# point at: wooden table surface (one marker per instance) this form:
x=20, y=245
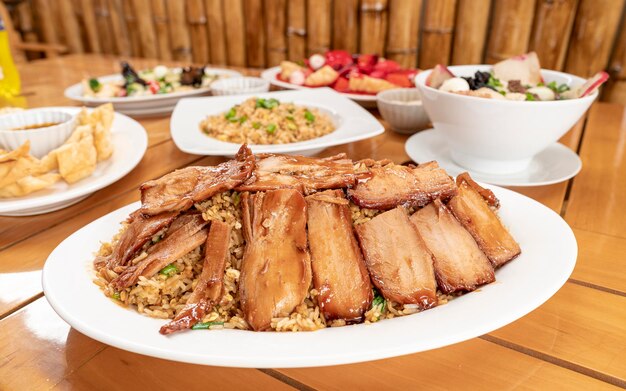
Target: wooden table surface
x=576, y=340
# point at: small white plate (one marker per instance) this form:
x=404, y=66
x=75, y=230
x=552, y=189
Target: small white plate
x=548, y=257
x=353, y=123
x=270, y=74
x=130, y=142
x=142, y=105
x=555, y=164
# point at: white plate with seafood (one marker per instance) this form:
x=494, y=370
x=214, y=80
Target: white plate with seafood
x=129, y=141
x=351, y=122
x=247, y=279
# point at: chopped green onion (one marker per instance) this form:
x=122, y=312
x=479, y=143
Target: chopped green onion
x=95, y=85
x=260, y=103
x=243, y=119
x=562, y=88
x=271, y=128
x=256, y=125
x=266, y=103
x=205, y=325
x=236, y=198
x=290, y=118
x=309, y=116
x=503, y=93
x=169, y=270
x=231, y=113
x=530, y=96
x=493, y=82
x=116, y=296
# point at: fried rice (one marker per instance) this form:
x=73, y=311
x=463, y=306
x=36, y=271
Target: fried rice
x=162, y=296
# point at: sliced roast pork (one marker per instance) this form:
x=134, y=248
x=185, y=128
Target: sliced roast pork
x=276, y=267
x=391, y=185
x=339, y=272
x=210, y=286
x=474, y=213
x=180, y=189
x=459, y=264
x=399, y=263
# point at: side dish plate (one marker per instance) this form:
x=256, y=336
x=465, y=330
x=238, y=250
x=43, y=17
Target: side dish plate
x=548, y=257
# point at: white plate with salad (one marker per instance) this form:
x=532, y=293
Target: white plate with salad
x=150, y=91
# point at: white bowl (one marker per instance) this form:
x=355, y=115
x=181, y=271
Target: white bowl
x=500, y=136
x=239, y=85
x=402, y=108
x=42, y=140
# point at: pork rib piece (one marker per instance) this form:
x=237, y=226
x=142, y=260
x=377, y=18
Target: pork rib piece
x=302, y=173
x=399, y=263
x=276, y=268
x=474, y=213
x=459, y=264
x=175, y=245
x=393, y=185
x=179, y=190
x=339, y=272
x=140, y=229
x=210, y=287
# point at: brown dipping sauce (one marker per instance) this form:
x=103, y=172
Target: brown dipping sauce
x=38, y=126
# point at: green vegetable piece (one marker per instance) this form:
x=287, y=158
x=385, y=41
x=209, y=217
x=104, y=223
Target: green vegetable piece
x=503, y=93
x=243, y=119
x=116, y=296
x=379, y=301
x=205, y=325
x=272, y=103
x=236, y=198
x=309, y=116
x=562, y=88
x=260, y=103
x=493, y=82
x=271, y=128
x=256, y=125
x=169, y=270
x=530, y=96
x=290, y=118
x=231, y=113
x=95, y=85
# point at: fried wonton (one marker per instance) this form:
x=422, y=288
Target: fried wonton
x=101, y=119
x=77, y=160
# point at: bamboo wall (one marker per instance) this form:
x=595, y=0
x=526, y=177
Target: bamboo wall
x=578, y=36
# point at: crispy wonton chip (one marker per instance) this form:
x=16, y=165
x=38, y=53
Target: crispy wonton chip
x=77, y=160
x=29, y=184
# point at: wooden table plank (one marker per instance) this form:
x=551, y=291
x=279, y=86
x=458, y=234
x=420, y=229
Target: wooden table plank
x=580, y=325
x=39, y=350
x=597, y=201
x=471, y=365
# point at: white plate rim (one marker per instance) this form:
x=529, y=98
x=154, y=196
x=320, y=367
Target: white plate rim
x=499, y=180
x=167, y=348
x=351, y=113
x=74, y=91
x=16, y=204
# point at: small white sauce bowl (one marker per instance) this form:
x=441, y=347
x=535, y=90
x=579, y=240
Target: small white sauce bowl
x=42, y=140
x=239, y=85
x=402, y=108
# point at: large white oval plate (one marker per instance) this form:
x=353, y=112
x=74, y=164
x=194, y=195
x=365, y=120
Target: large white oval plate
x=548, y=256
x=271, y=73
x=352, y=122
x=142, y=105
x=130, y=142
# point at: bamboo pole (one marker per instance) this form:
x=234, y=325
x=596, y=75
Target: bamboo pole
x=296, y=30
x=70, y=26
x=595, y=30
x=437, y=30
x=128, y=12
x=45, y=21
x=255, y=32
x=179, y=34
x=147, y=37
x=196, y=17
x=318, y=26
x=402, y=37
x=275, y=15
x=551, y=31
x=235, y=33
x=89, y=23
x=119, y=28
x=373, y=27
x=103, y=26
x=346, y=25
x=511, y=25
x=161, y=29
x=470, y=31
x=615, y=91
x=25, y=21
x=215, y=22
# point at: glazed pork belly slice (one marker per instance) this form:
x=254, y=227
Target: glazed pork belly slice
x=398, y=261
x=302, y=173
x=210, y=286
x=339, y=272
x=276, y=268
x=459, y=263
x=473, y=212
x=140, y=229
x=175, y=245
x=179, y=190
x=388, y=186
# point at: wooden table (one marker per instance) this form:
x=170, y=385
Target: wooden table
x=577, y=340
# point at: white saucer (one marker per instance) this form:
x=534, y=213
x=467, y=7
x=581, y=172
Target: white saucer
x=130, y=142
x=555, y=164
